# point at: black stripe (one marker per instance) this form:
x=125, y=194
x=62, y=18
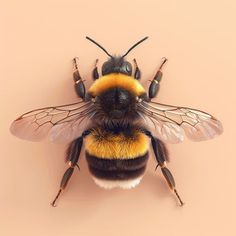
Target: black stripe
x=116, y=175
x=119, y=169
x=116, y=164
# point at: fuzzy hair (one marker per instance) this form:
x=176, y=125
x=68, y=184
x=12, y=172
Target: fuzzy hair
x=106, y=144
x=116, y=80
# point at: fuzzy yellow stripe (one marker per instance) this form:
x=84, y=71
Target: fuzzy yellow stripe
x=117, y=146
x=116, y=80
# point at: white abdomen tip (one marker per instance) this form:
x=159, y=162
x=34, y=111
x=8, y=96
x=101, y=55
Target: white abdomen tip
x=124, y=184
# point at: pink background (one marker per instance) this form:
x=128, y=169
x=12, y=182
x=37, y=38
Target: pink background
x=40, y=38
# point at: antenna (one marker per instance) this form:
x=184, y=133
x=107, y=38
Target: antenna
x=99, y=46
x=136, y=44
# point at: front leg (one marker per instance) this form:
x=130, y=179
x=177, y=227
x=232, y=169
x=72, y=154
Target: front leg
x=79, y=84
x=137, y=72
x=95, y=73
x=155, y=83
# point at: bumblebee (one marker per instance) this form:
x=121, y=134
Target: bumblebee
x=116, y=120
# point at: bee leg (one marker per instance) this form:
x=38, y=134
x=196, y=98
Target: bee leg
x=79, y=84
x=95, y=73
x=161, y=155
x=155, y=83
x=72, y=156
x=63, y=184
x=137, y=72
x=171, y=182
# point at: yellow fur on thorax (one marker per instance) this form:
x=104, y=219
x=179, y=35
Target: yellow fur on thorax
x=116, y=80
x=107, y=145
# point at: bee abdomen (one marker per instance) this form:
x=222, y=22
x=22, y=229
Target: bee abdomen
x=117, y=172
x=117, y=159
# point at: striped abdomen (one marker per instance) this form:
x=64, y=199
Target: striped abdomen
x=117, y=160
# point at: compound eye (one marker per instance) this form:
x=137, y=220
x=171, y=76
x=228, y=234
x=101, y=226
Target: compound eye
x=127, y=68
x=106, y=68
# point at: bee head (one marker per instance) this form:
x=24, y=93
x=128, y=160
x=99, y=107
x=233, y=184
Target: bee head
x=117, y=65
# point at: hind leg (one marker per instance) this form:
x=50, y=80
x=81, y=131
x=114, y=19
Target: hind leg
x=161, y=155
x=72, y=156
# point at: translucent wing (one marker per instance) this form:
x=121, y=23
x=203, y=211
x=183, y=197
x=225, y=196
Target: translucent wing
x=171, y=122
x=62, y=123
